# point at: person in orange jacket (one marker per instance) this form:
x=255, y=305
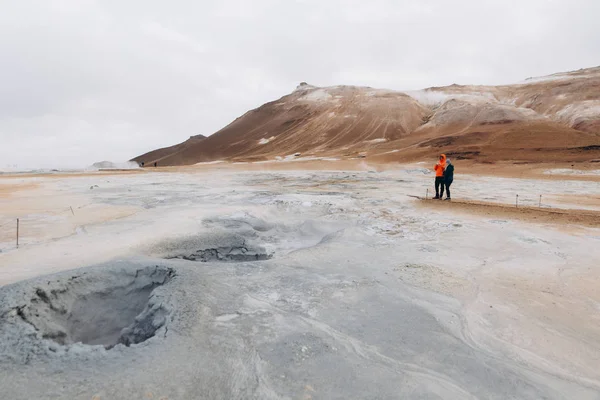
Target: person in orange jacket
x=439, y=176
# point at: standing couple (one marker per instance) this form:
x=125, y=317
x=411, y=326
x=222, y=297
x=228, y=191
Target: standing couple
x=444, y=175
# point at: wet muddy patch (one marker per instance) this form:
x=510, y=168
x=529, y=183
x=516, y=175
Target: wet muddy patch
x=231, y=254
x=220, y=247
x=244, y=238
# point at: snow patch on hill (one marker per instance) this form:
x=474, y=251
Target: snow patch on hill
x=317, y=95
x=378, y=140
x=210, y=162
x=580, y=111
x=435, y=98
x=266, y=140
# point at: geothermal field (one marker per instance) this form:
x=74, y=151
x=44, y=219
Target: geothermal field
x=226, y=281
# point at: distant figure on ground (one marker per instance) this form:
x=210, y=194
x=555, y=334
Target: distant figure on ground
x=439, y=176
x=155, y=164
x=448, y=178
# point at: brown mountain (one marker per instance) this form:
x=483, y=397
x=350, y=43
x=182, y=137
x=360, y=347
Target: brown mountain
x=159, y=155
x=554, y=118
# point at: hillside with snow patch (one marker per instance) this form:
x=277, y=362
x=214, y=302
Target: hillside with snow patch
x=555, y=117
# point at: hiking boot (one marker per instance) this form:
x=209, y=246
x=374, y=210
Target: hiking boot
x=447, y=198
x=436, y=198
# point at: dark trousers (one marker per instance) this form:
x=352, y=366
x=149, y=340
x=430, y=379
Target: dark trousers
x=447, y=183
x=439, y=183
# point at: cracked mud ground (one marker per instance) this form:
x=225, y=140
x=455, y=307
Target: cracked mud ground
x=361, y=294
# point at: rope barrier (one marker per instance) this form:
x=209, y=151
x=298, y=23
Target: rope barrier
x=69, y=211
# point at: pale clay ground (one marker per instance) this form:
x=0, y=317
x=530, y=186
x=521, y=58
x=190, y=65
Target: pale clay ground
x=523, y=294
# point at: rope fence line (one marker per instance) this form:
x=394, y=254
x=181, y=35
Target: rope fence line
x=9, y=222
x=19, y=225
x=517, y=203
x=70, y=211
x=17, y=222
x=49, y=211
x=529, y=201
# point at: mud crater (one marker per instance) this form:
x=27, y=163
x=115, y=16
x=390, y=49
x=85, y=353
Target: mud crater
x=97, y=311
x=244, y=238
x=217, y=248
x=231, y=254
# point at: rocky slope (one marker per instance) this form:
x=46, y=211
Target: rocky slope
x=554, y=118
x=159, y=155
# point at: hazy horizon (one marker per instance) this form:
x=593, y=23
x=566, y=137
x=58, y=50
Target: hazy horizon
x=84, y=81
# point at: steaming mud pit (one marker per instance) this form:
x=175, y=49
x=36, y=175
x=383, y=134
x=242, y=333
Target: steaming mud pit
x=94, y=308
x=295, y=284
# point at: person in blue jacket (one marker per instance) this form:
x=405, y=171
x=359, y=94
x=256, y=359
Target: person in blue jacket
x=448, y=178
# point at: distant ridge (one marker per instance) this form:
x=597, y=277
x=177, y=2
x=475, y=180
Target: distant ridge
x=540, y=119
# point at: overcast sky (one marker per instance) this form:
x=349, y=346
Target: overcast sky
x=84, y=81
